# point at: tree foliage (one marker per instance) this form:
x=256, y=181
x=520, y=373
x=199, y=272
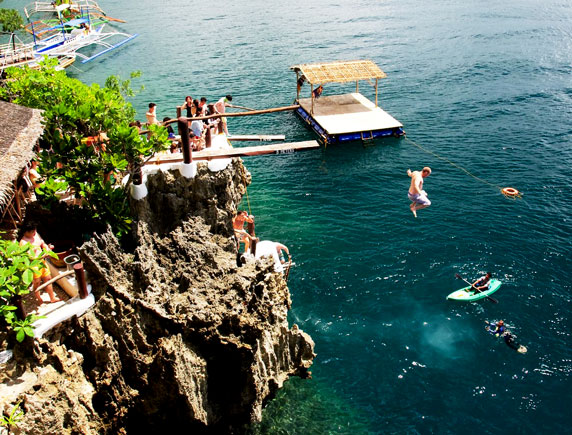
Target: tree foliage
x=88, y=145
x=18, y=263
x=10, y=20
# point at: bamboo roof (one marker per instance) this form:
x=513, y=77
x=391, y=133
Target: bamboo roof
x=21, y=128
x=339, y=71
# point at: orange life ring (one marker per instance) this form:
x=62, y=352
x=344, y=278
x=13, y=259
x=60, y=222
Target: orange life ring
x=509, y=191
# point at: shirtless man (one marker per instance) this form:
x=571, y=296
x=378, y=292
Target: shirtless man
x=239, y=231
x=30, y=235
x=416, y=194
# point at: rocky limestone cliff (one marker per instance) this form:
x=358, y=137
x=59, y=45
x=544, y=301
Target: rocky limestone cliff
x=180, y=336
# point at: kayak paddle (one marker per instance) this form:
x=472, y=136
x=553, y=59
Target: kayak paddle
x=476, y=289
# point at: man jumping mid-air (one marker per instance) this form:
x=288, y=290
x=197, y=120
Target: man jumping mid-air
x=416, y=194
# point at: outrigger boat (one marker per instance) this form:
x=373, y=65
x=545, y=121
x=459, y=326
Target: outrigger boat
x=68, y=41
x=43, y=15
x=60, y=33
x=347, y=117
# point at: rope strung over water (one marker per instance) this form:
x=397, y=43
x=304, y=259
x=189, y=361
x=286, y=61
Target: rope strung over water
x=507, y=192
x=248, y=201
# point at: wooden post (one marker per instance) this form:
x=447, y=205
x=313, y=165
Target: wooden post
x=220, y=127
x=253, y=243
x=183, y=126
x=297, y=86
x=17, y=191
x=208, y=137
x=312, y=94
x=357, y=86
x=376, y=92
x=20, y=311
x=179, y=111
x=250, y=228
x=137, y=175
x=80, y=280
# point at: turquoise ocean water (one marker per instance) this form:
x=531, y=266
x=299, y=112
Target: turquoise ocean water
x=487, y=85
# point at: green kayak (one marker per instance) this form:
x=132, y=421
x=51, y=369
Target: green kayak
x=468, y=294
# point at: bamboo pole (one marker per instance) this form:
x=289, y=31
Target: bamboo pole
x=357, y=86
x=376, y=92
x=232, y=115
x=54, y=279
x=234, y=106
x=297, y=86
x=226, y=153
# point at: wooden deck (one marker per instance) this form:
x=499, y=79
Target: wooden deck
x=348, y=113
x=257, y=137
x=225, y=153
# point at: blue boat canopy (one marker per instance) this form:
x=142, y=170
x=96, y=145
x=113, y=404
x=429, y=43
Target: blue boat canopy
x=76, y=22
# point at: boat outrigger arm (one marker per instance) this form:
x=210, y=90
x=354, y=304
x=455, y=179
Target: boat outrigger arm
x=108, y=47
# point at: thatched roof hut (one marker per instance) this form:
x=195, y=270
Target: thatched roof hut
x=20, y=128
x=339, y=71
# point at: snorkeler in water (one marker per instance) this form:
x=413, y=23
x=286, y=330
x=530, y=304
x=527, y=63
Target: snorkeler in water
x=499, y=330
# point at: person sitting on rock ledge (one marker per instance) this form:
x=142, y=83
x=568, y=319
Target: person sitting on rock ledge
x=41, y=274
x=240, y=233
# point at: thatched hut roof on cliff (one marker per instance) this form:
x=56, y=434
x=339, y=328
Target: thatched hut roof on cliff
x=20, y=128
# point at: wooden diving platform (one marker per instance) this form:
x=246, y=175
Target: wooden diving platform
x=349, y=113
x=225, y=153
x=257, y=137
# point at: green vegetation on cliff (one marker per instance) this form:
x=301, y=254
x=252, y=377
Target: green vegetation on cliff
x=86, y=150
x=87, y=144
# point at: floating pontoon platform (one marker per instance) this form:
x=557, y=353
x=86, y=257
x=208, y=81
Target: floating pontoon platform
x=346, y=117
x=340, y=118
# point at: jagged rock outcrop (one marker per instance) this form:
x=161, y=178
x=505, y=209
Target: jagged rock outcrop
x=180, y=336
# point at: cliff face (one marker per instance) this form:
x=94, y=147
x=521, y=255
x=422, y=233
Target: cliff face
x=179, y=336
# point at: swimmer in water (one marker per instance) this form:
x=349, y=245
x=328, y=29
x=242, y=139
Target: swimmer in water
x=499, y=330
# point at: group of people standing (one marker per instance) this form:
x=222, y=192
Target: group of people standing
x=194, y=108
x=199, y=109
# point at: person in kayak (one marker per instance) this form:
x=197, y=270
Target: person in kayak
x=482, y=283
x=497, y=329
x=416, y=194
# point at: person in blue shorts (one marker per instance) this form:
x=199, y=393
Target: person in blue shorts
x=416, y=194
